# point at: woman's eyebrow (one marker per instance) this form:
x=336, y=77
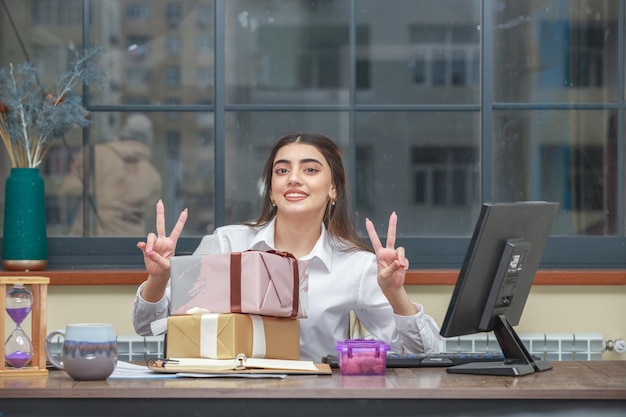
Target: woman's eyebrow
x=307, y=160
x=302, y=161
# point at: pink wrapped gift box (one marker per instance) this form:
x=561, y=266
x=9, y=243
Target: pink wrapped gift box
x=252, y=282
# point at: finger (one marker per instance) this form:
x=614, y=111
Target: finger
x=180, y=224
x=391, y=230
x=142, y=248
x=371, y=231
x=162, y=262
x=391, y=269
x=150, y=241
x=402, y=257
x=160, y=218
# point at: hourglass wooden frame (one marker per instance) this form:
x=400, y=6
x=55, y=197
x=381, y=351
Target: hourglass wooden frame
x=39, y=288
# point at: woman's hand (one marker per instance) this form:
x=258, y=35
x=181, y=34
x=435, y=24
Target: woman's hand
x=157, y=249
x=392, y=264
x=392, y=267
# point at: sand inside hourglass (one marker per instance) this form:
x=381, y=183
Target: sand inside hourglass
x=18, y=347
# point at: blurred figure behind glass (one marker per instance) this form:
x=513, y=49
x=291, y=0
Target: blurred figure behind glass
x=126, y=183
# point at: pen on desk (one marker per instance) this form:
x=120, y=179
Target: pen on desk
x=161, y=362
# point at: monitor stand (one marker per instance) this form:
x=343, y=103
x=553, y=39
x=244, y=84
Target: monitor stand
x=517, y=360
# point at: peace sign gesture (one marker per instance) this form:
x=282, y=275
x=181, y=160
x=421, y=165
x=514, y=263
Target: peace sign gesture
x=158, y=248
x=392, y=264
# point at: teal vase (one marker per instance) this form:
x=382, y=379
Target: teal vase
x=24, y=240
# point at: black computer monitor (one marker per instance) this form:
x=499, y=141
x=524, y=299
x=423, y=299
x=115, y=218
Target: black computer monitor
x=495, y=279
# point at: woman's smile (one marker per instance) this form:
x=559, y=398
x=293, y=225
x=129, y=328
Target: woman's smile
x=295, y=195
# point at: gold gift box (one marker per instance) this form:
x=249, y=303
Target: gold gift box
x=230, y=335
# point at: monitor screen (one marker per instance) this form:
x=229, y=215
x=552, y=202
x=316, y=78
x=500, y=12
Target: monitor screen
x=495, y=279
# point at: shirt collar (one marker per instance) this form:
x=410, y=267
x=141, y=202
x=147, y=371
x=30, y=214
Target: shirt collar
x=264, y=240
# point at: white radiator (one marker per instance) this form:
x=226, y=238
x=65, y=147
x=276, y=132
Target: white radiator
x=139, y=348
x=550, y=346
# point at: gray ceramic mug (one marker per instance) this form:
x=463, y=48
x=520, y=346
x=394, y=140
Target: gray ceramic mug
x=89, y=350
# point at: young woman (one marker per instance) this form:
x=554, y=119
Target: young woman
x=306, y=213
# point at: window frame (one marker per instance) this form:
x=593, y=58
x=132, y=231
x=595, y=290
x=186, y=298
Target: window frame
x=562, y=252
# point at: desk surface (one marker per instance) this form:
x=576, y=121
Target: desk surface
x=570, y=384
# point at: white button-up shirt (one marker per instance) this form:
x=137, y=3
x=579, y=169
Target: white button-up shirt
x=340, y=281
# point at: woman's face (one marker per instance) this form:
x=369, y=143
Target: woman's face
x=301, y=181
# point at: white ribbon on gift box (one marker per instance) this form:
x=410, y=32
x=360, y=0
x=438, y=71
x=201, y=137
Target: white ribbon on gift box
x=258, y=336
x=159, y=326
x=209, y=330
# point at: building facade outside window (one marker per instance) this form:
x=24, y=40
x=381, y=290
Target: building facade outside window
x=438, y=106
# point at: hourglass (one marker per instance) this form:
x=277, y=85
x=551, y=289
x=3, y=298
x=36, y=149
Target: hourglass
x=18, y=349
x=23, y=354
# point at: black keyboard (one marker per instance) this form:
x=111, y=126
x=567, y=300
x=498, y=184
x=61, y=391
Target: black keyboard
x=429, y=359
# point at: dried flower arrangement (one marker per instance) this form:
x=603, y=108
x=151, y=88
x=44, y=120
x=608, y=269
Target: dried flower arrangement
x=31, y=118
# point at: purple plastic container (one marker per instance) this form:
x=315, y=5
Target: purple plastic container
x=362, y=356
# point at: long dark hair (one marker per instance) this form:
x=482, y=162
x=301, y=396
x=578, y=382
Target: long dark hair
x=337, y=216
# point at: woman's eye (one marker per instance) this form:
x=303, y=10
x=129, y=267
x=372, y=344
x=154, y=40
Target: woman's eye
x=281, y=171
x=311, y=170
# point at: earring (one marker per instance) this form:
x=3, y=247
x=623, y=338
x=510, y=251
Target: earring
x=273, y=203
x=333, y=202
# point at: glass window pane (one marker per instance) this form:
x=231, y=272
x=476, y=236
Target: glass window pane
x=553, y=135
x=417, y=53
x=54, y=32
x=250, y=137
x=287, y=52
x=564, y=156
x=153, y=56
x=555, y=51
x=61, y=211
x=134, y=159
x=423, y=165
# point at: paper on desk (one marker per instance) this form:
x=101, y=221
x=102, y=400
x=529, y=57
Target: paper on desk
x=228, y=375
x=125, y=370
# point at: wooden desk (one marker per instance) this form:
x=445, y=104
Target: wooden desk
x=570, y=389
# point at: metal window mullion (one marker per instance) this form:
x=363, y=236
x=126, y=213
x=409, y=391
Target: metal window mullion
x=621, y=80
x=219, y=16
x=486, y=102
x=88, y=168
x=352, y=103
